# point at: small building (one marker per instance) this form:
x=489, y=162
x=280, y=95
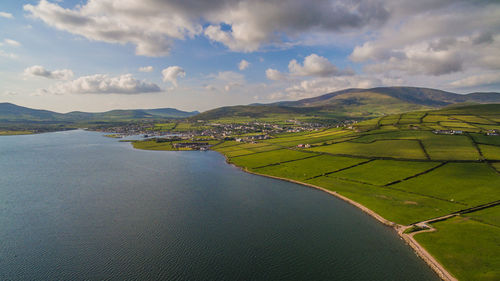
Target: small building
x=492, y=133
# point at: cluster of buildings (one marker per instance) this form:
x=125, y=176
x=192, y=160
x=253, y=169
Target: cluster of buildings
x=192, y=145
x=218, y=130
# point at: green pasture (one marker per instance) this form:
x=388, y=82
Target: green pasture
x=381, y=172
x=490, y=152
x=468, y=184
x=153, y=145
x=310, y=167
x=267, y=158
x=484, y=139
x=394, y=205
x=404, y=149
x=467, y=247
x=10, y=133
x=472, y=119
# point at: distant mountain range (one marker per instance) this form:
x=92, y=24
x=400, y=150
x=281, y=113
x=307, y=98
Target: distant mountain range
x=350, y=103
x=13, y=113
x=355, y=103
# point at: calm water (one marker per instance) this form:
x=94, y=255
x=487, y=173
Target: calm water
x=75, y=205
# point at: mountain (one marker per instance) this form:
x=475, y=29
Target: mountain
x=13, y=113
x=355, y=103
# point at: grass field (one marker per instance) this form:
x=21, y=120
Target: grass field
x=310, y=167
x=11, y=133
x=406, y=149
x=267, y=158
x=466, y=246
x=381, y=172
x=482, y=138
x=469, y=184
x=490, y=152
x=153, y=145
x=397, y=206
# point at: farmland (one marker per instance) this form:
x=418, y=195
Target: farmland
x=439, y=167
x=408, y=168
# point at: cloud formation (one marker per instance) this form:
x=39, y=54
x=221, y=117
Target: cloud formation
x=275, y=75
x=104, y=84
x=146, y=69
x=153, y=25
x=434, y=38
x=7, y=55
x=38, y=70
x=172, y=73
x=477, y=80
x=243, y=65
x=313, y=65
x=11, y=42
x=6, y=15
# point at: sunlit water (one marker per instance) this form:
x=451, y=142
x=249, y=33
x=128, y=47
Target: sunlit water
x=76, y=205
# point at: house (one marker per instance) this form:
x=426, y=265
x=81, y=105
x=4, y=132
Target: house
x=492, y=133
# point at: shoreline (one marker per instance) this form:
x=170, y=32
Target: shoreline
x=437, y=267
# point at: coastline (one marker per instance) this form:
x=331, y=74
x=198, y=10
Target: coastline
x=437, y=267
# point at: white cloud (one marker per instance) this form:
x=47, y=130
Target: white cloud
x=230, y=86
x=322, y=85
x=38, y=70
x=171, y=74
x=7, y=55
x=313, y=65
x=104, y=84
x=210, y=87
x=243, y=65
x=6, y=15
x=477, y=80
x=227, y=80
x=146, y=69
x=11, y=42
x=275, y=75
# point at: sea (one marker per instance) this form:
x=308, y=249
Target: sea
x=76, y=205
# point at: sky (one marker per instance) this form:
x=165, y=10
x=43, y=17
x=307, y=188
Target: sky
x=98, y=55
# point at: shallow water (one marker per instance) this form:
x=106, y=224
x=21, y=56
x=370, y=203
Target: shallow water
x=75, y=205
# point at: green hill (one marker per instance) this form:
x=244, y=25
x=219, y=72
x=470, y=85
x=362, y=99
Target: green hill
x=13, y=113
x=354, y=103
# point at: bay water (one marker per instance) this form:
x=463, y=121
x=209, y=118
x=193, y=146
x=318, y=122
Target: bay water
x=79, y=206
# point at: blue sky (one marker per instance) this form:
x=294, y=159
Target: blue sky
x=86, y=55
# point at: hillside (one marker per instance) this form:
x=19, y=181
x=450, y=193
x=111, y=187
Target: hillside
x=13, y=113
x=355, y=103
